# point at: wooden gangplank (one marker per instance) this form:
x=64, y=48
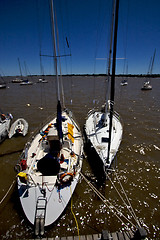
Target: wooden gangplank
x=106, y=236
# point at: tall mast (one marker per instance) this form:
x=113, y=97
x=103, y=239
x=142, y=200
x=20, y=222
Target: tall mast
x=54, y=48
x=20, y=67
x=113, y=75
x=59, y=111
x=109, y=59
x=153, y=61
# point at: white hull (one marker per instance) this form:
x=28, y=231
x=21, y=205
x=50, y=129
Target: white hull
x=19, y=127
x=17, y=80
x=98, y=135
x=26, y=83
x=57, y=193
x=124, y=83
x=4, y=128
x=146, y=86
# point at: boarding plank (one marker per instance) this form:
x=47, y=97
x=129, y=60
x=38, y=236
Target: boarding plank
x=120, y=236
x=89, y=237
x=114, y=236
x=82, y=237
x=76, y=237
x=95, y=236
x=63, y=238
x=70, y=238
x=126, y=236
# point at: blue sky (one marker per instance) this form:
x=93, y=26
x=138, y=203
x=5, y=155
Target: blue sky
x=25, y=29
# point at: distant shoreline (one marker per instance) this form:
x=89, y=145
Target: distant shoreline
x=118, y=75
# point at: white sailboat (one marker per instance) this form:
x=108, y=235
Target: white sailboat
x=103, y=128
x=18, y=80
x=124, y=82
x=147, y=85
x=2, y=83
x=50, y=165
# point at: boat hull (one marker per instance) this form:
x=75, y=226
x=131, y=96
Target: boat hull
x=4, y=128
x=97, y=136
x=50, y=187
x=56, y=201
x=19, y=127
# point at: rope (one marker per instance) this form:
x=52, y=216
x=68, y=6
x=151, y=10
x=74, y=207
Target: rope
x=109, y=205
x=133, y=212
x=7, y=192
x=74, y=214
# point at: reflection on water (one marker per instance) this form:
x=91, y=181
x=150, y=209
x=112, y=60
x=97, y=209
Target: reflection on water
x=137, y=160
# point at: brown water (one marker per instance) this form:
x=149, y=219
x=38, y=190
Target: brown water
x=138, y=159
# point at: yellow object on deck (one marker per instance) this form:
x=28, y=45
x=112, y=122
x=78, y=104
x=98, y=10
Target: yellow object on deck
x=70, y=132
x=22, y=174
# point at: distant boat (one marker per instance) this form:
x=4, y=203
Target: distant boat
x=103, y=128
x=17, y=80
x=19, y=127
x=42, y=80
x=26, y=82
x=147, y=85
x=4, y=125
x=2, y=83
x=124, y=82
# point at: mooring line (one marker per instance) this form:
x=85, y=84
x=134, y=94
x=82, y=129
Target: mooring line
x=128, y=207
x=132, y=210
x=110, y=206
x=7, y=192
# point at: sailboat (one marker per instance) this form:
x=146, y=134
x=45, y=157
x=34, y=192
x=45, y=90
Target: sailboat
x=124, y=82
x=147, y=85
x=103, y=129
x=18, y=80
x=42, y=79
x=26, y=81
x=50, y=165
x=2, y=83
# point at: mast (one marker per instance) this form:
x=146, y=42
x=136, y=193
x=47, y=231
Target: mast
x=153, y=61
x=54, y=48
x=20, y=68
x=113, y=74
x=109, y=60
x=59, y=111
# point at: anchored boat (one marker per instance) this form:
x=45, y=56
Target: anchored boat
x=147, y=85
x=103, y=128
x=50, y=165
x=5, y=121
x=19, y=127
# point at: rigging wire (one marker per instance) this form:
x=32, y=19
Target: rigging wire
x=94, y=86
x=108, y=204
x=132, y=210
x=7, y=192
x=125, y=40
x=65, y=38
x=42, y=88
